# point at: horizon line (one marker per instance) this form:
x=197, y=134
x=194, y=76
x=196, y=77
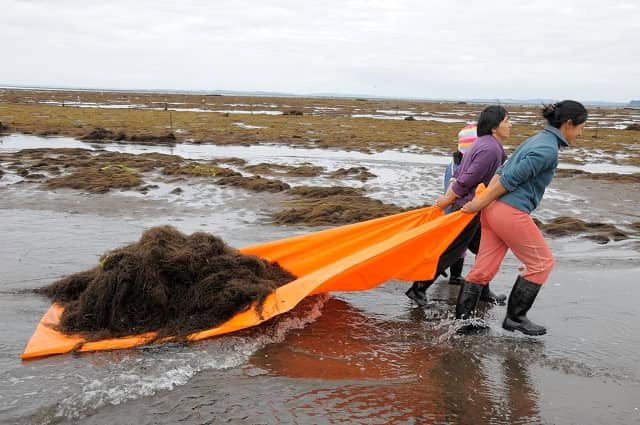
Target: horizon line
x=265, y=93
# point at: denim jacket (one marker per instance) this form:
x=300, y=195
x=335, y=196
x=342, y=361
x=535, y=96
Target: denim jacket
x=530, y=169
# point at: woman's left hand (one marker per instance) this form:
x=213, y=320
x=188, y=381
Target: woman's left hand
x=442, y=202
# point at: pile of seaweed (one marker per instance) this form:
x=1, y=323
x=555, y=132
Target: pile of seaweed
x=167, y=282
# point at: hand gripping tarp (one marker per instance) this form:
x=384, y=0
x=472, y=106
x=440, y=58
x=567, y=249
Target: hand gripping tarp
x=354, y=257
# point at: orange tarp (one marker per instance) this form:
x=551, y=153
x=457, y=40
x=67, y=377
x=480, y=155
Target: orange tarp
x=354, y=257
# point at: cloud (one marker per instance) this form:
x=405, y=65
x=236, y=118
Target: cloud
x=448, y=49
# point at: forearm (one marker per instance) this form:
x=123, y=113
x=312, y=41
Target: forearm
x=493, y=192
x=450, y=195
x=447, y=199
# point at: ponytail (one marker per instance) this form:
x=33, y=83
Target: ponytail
x=558, y=113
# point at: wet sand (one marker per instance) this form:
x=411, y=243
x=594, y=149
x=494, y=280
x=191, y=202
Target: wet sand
x=363, y=357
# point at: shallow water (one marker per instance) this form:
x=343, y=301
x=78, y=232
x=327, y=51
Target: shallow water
x=364, y=357
x=404, y=178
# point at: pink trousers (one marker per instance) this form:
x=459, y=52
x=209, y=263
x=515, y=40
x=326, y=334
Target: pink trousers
x=505, y=227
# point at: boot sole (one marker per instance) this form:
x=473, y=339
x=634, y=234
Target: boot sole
x=518, y=328
x=420, y=301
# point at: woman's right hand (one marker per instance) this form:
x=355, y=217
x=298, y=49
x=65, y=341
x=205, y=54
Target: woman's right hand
x=473, y=206
x=493, y=191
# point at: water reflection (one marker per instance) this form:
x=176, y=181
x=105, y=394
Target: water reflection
x=369, y=370
x=346, y=344
x=522, y=407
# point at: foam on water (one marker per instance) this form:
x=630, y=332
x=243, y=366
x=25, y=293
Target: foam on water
x=154, y=369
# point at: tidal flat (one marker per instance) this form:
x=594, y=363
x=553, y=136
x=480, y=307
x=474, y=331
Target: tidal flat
x=82, y=173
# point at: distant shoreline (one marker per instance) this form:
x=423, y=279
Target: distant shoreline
x=630, y=104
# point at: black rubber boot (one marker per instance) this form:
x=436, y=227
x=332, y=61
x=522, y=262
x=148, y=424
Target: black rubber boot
x=489, y=296
x=468, y=298
x=456, y=272
x=521, y=299
x=418, y=292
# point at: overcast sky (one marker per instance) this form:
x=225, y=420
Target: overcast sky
x=555, y=49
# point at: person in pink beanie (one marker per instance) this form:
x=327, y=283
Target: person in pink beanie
x=466, y=137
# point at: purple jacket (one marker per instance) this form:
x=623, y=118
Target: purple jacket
x=478, y=165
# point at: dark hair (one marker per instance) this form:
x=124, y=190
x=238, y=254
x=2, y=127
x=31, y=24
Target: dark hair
x=561, y=112
x=490, y=118
x=457, y=157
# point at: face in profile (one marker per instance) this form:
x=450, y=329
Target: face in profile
x=503, y=130
x=571, y=132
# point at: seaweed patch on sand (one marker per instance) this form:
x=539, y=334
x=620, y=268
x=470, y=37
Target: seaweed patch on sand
x=254, y=183
x=98, y=179
x=100, y=134
x=100, y=171
x=357, y=173
x=619, y=178
x=323, y=206
x=167, y=282
x=566, y=226
x=304, y=170
x=198, y=170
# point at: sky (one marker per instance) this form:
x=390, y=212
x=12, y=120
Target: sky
x=509, y=49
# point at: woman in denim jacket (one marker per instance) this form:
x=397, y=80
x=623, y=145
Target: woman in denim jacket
x=512, y=194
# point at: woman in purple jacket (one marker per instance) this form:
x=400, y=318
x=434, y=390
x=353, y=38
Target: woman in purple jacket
x=478, y=165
